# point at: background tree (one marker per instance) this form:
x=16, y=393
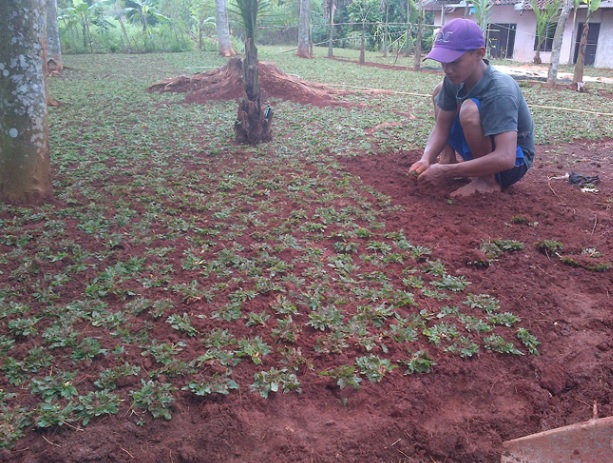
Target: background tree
x=329, y=9
x=482, y=10
x=24, y=130
x=253, y=125
x=304, y=30
x=54, y=47
x=556, y=47
x=573, y=37
x=385, y=8
x=223, y=29
x=117, y=9
x=420, y=13
x=367, y=16
x=147, y=14
x=592, y=6
x=545, y=16
x=482, y=14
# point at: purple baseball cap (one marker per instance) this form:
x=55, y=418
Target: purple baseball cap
x=456, y=38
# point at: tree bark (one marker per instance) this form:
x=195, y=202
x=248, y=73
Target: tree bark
x=420, y=17
x=556, y=47
x=252, y=125
x=331, y=29
x=363, y=44
x=386, y=31
x=579, y=66
x=573, y=38
x=304, y=42
x=223, y=29
x=24, y=130
x=54, y=47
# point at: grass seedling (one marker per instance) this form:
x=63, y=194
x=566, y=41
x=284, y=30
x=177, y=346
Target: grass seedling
x=345, y=376
x=419, y=362
x=216, y=384
x=57, y=386
x=275, y=380
x=97, y=403
x=528, y=340
x=154, y=397
x=253, y=348
x=374, y=367
x=182, y=323
x=549, y=247
x=498, y=344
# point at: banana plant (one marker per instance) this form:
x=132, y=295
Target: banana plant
x=592, y=6
x=544, y=17
x=84, y=15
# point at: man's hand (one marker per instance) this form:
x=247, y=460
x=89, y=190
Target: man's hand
x=434, y=175
x=419, y=167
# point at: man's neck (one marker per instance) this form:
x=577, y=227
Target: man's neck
x=475, y=76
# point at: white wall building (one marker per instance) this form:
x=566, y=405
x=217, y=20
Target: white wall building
x=512, y=31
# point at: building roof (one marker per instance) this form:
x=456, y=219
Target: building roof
x=435, y=5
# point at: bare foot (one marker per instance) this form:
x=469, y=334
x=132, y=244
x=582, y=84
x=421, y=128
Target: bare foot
x=477, y=185
x=447, y=156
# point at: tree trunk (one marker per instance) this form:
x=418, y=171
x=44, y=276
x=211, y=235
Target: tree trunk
x=24, y=130
x=252, y=125
x=54, y=47
x=417, y=62
x=223, y=29
x=386, y=31
x=573, y=38
x=124, y=32
x=363, y=44
x=331, y=30
x=304, y=46
x=579, y=66
x=556, y=47
x=407, y=43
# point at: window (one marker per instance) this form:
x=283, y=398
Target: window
x=547, y=40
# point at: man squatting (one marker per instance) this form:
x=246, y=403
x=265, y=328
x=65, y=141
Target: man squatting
x=481, y=114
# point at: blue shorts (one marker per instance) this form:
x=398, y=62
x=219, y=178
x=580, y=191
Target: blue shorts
x=458, y=143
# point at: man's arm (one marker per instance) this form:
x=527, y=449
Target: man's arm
x=436, y=140
x=499, y=160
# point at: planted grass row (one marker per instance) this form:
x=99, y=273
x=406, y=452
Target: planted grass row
x=321, y=270
x=268, y=259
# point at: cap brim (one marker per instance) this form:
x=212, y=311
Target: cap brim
x=444, y=55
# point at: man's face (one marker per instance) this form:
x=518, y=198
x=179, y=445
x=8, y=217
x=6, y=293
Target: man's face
x=462, y=69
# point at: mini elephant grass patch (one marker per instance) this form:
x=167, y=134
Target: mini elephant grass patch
x=170, y=268
x=589, y=259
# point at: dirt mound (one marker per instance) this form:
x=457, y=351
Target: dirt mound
x=226, y=83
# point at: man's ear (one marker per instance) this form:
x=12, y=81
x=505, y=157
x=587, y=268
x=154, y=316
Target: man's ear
x=480, y=52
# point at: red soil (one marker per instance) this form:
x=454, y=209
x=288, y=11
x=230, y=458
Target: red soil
x=464, y=409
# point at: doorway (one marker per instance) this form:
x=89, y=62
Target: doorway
x=501, y=40
x=592, y=42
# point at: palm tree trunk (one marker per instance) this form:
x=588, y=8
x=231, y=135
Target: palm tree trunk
x=252, y=126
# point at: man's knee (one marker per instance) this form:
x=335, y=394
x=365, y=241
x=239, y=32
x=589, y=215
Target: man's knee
x=470, y=117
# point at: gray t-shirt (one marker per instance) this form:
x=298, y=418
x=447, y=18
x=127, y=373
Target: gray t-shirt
x=503, y=107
